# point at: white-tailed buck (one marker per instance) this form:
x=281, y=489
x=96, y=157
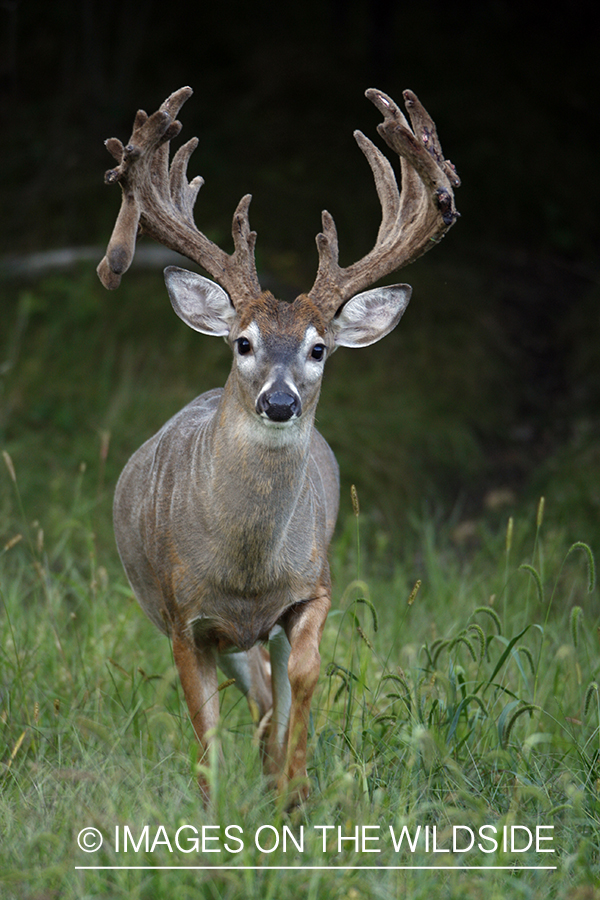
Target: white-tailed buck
x=223, y=519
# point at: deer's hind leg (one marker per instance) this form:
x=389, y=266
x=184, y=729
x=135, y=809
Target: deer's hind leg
x=252, y=673
x=274, y=729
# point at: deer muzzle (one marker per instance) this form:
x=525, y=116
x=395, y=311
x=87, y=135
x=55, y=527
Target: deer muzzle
x=279, y=406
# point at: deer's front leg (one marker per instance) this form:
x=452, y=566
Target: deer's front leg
x=198, y=674
x=304, y=630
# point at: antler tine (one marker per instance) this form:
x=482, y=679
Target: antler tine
x=412, y=221
x=159, y=201
x=184, y=193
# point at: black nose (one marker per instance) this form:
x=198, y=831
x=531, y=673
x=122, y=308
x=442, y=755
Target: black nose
x=278, y=406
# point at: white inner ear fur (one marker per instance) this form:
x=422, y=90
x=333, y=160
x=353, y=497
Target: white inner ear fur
x=201, y=303
x=369, y=316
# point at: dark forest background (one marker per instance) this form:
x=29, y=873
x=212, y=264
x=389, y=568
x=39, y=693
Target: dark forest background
x=488, y=394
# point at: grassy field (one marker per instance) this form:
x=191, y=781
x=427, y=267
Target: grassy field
x=460, y=665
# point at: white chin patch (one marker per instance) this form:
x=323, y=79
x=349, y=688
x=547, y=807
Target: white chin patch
x=271, y=424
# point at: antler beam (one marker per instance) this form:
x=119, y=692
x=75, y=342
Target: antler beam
x=159, y=201
x=412, y=221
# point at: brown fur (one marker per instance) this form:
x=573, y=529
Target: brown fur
x=285, y=319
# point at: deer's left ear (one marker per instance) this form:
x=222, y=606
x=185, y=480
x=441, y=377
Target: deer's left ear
x=369, y=316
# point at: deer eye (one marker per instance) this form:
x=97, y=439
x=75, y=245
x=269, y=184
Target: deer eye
x=244, y=346
x=318, y=351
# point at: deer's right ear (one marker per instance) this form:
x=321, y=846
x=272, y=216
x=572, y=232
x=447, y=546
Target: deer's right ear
x=201, y=303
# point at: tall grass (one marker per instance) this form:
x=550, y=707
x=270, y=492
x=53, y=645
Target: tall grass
x=454, y=692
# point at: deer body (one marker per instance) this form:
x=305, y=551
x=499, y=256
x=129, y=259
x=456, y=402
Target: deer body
x=223, y=519
x=229, y=550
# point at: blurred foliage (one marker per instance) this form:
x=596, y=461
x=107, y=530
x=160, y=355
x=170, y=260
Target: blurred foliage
x=470, y=699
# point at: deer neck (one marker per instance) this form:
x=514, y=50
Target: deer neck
x=258, y=472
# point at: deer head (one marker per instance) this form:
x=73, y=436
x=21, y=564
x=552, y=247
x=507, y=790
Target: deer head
x=337, y=310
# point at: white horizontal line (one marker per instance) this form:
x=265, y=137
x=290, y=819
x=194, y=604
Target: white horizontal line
x=341, y=868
